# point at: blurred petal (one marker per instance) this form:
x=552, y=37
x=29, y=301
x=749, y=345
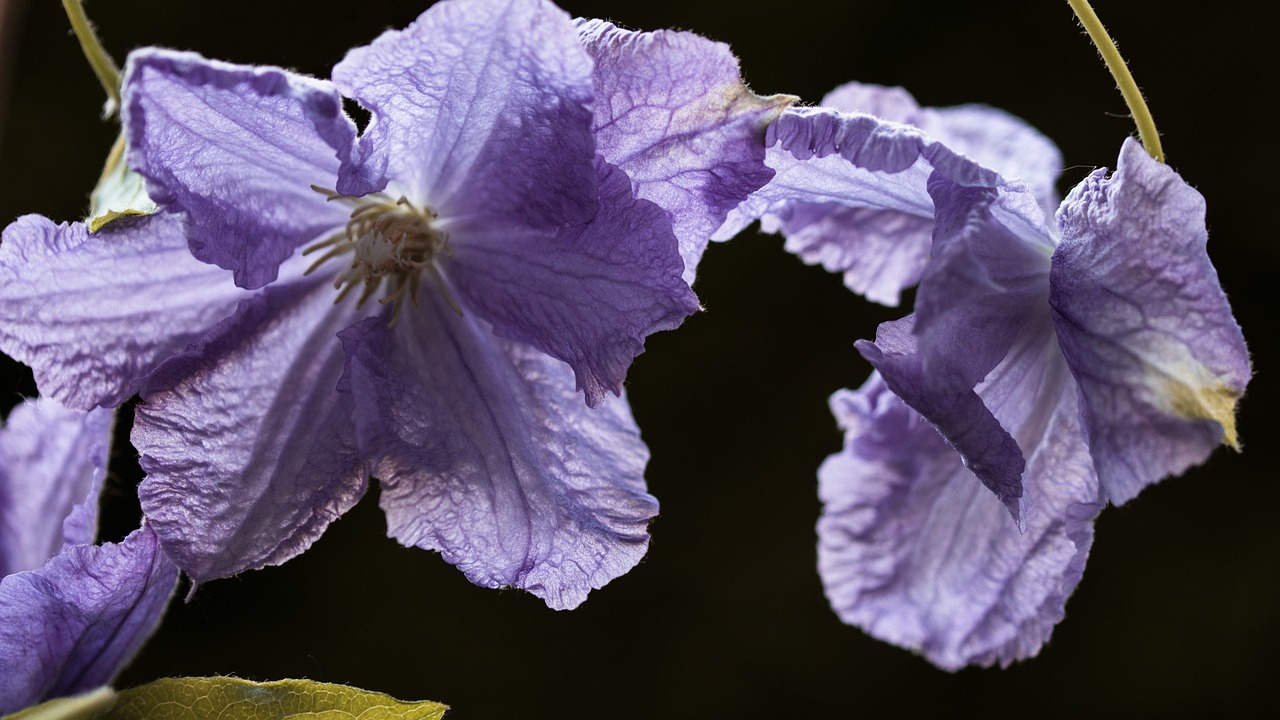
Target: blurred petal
x=672, y=112
x=1144, y=324
x=52, y=465
x=93, y=315
x=479, y=108
x=828, y=161
x=72, y=625
x=238, y=148
x=894, y=104
x=487, y=455
x=914, y=551
x=249, y=450
x=588, y=295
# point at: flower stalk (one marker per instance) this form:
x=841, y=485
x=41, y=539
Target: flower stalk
x=103, y=66
x=1124, y=80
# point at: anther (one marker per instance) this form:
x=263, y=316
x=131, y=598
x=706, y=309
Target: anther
x=395, y=240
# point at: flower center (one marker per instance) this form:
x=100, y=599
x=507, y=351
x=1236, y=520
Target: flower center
x=386, y=239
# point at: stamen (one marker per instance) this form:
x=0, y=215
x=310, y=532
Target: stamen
x=395, y=240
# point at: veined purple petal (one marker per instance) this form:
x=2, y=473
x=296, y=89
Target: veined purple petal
x=916, y=552
x=487, y=455
x=249, y=451
x=588, y=295
x=479, y=108
x=987, y=448
x=237, y=148
x=52, y=465
x=880, y=252
x=828, y=162
x=72, y=625
x=991, y=137
x=93, y=315
x=1144, y=324
x=985, y=289
x=987, y=277
x=673, y=113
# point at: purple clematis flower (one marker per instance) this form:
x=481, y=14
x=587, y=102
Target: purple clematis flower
x=72, y=614
x=496, y=208
x=1062, y=365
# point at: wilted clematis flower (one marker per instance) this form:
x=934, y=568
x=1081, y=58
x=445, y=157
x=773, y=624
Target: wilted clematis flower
x=1062, y=373
x=850, y=190
x=72, y=614
x=512, y=260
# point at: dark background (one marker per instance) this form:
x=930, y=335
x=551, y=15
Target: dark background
x=725, y=617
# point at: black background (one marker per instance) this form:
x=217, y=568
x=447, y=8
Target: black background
x=725, y=617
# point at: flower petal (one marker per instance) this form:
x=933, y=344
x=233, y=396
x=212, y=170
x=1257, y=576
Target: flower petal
x=673, y=113
x=880, y=252
x=914, y=551
x=237, y=148
x=72, y=625
x=984, y=290
x=958, y=413
x=479, y=108
x=249, y=450
x=588, y=295
x=53, y=462
x=989, y=136
x=93, y=315
x=831, y=161
x=1144, y=324
x=487, y=455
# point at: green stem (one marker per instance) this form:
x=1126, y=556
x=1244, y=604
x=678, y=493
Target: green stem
x=1124, y=80
x=103, y=66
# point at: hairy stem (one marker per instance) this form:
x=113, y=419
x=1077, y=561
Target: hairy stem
x=103, y=66
x=1128, y=88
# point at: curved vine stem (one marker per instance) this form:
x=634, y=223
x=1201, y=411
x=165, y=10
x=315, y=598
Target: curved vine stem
x=1124, y=80
x=103, y=66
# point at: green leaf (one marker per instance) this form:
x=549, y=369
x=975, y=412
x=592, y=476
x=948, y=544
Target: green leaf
x=120, y=192
x=229, y=698
x=81, y=707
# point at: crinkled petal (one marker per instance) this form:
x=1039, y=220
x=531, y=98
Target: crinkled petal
x=989, y=136
x=914, y=551
x=72, y=625
x=236, y=147
x=588, y=295
x=487, y=455
x=673, y=112
x=879, y=252
x=986, y=286
x=53, y=462
x=1144, y=324
x=830, y=160
x=93, y=315
x=479, y=108
x=248, y=448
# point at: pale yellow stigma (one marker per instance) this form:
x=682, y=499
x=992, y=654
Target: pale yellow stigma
x=387, y=239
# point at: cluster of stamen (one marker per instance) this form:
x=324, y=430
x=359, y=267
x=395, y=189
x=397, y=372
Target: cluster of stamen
x=388, y=239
